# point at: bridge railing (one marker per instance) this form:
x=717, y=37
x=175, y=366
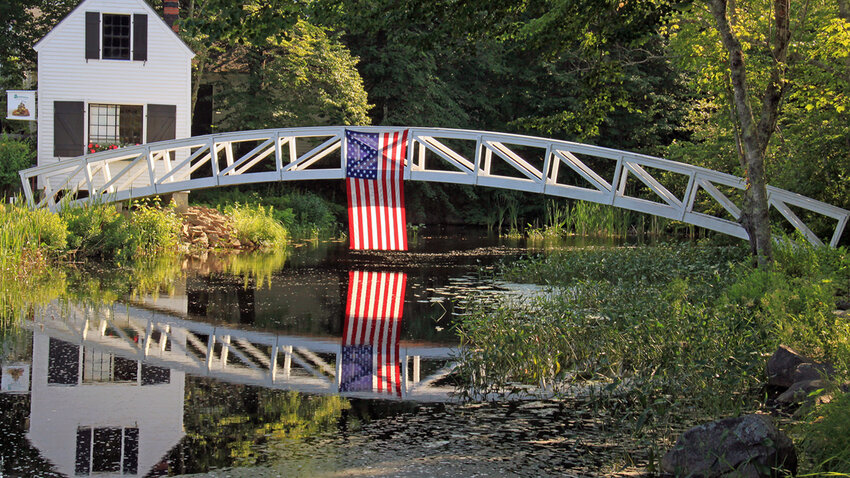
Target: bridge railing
x=678, y=191
x=307, y=364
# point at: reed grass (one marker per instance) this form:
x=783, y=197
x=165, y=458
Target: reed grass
x=28, y=238
x=582, y=218
x=256, y=224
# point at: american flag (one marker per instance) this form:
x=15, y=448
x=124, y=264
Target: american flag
x=374, y=170
x=370, y=334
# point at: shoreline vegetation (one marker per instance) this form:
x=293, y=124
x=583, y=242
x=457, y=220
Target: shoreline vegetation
x=668, y=336
x=665, y=336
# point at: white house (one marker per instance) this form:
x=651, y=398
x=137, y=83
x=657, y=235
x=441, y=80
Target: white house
x=93, y=412
x=111, y=72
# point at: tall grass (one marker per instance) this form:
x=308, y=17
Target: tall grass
x=27, y=237
x=582, y=218
x=823, y=437
x=667, y=335
x=304, y=215
x=256, y=224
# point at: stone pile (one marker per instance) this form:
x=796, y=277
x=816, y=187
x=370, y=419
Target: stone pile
x=799, y=376
x=205, y=228
x=751, y=445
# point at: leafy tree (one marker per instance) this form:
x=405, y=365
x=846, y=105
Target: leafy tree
x=272, y=67
x=14, y=156
x=304, y=78
x=795, y=89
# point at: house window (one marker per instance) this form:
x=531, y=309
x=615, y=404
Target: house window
x=115, y=124
x=113, y=36
x=104, y=367
x=116, y=37
x=107, y=450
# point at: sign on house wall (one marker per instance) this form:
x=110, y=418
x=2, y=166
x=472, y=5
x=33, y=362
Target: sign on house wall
x=15, y=379
x=20, y=105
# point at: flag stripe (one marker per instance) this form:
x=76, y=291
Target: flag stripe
x=375, y=189
x=374, y=309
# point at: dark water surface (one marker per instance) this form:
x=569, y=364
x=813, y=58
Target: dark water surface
x=317, y=362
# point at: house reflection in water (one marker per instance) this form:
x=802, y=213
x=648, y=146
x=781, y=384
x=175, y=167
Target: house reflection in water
x=93, y=412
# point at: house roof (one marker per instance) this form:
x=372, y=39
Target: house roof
x=46, y=38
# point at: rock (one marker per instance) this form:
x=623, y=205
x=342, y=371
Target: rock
x=201, y=241
x=782, y=364
x=812, y=371
x=799, y=392
x=749, y=446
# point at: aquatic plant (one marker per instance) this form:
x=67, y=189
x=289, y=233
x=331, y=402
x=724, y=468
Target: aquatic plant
x=664, y=335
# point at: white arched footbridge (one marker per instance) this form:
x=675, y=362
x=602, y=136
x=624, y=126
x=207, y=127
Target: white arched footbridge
x=678, y=191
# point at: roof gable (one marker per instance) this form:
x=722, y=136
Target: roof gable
x=161, y=25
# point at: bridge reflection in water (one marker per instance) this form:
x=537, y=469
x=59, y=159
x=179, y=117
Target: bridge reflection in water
x=108, y=382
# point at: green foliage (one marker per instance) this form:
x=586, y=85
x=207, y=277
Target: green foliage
x=296, y=75
x=666, y=335
x=256, y=224
x=97, y=230
x=304, y=214
x=808, y=153
x=153, y=228
x=24, y=22
x=15, y=155
x=825, y=443
x=100, y=231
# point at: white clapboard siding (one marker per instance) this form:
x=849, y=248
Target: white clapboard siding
x=64, y=74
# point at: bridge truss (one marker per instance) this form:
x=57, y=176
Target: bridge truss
x=677, y=191
x=306, y=364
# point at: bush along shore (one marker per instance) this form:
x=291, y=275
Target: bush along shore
x=659, y=339
x=31, y=239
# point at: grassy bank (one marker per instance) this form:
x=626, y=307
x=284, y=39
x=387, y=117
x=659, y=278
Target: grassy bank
x=304, y=214
x=670, y=335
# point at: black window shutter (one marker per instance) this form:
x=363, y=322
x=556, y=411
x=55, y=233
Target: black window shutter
x=68, y=133
x=140, y=37
x=63, y=362
x=82, y=462
x=92, y=35
x=162, y=122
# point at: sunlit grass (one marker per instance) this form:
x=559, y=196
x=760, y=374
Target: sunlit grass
x=667, y=336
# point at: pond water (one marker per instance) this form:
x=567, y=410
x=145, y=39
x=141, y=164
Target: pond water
x=320, y=361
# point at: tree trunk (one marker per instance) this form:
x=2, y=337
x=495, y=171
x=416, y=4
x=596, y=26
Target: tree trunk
x=755, y=136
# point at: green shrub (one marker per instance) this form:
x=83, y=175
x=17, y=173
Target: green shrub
x=256, y=224
x=15, y=155
x=27, y=236
x=97, y=230
x=153, y=228
x=100, y=231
